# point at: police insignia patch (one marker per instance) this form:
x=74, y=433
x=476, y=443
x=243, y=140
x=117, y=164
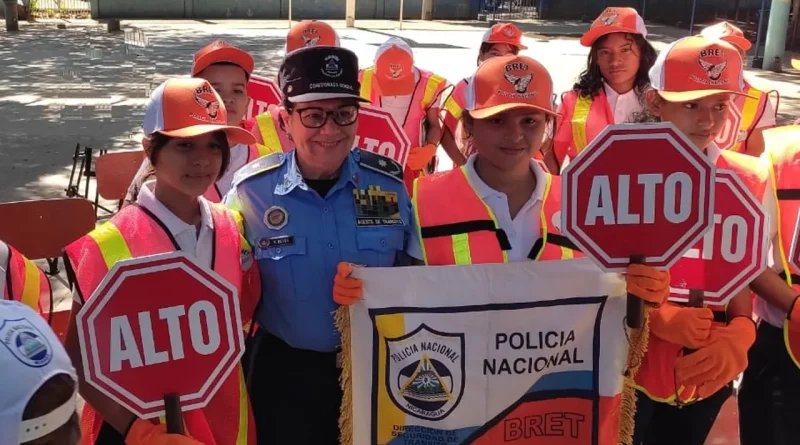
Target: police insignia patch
x=276, y=218
x=381, y=164
x=375, y=207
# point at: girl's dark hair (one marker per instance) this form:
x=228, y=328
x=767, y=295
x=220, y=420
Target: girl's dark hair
x=246, y=74
x=591, y=80
x=486, y=47
x=468, y=121
x=53, y=393
x=158, y=141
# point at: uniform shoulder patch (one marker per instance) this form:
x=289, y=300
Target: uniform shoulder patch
x=260, y=165
x=381, y=164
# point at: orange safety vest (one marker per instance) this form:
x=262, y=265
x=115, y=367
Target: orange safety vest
x=26, y=283
x=429, y=87
x=656, y=376
x=785, y=176
x=582, y=119
x=454, y=106
x=465, y=231
x=254, y=152
x=135, y=232
x=751, y=110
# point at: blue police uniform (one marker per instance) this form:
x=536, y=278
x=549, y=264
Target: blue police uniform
x=298, y=237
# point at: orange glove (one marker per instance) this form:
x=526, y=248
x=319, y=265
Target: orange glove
x=714, y=366
x=419, y=157
x=142, y=432
x=685, y=326
x=346, y=290
x=648, y=283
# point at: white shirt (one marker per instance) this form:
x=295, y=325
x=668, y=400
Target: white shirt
x=623, y=106
x=398, y=106
x=239, y=154
x=522, y=231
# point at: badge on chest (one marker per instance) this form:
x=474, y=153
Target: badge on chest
x=275, y=218
x=375, y=207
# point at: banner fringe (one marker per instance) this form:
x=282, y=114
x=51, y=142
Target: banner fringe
x=342, y=320
x=637, y=347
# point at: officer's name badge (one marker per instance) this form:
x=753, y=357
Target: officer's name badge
x=266, y=243
x=375, y=207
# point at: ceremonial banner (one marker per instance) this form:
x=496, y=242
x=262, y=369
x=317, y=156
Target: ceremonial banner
x=522, y=353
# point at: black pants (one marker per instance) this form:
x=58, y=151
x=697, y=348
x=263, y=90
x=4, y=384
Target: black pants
x=769, y=400
x=295, y=393
x=663, y=424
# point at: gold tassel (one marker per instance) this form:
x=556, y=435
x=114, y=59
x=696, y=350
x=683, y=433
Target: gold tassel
x=638, y=346
x=342, y=319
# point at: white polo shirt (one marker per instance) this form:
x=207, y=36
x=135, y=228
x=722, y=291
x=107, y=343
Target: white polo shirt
x=622, y=106
x=522, y=231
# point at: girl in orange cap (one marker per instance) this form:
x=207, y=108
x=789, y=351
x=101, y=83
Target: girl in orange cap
x=611, y=89
x=680, y=395
x=510, y=107
x=188, y=143
x=500, y=40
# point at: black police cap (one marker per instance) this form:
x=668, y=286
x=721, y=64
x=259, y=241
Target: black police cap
x=319, y=73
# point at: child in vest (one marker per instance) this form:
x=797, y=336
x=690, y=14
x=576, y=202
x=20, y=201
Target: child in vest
x=610, y=90
x=39, y=385
x=500, y=40
x=681, y=393
x=501, y=183
x=188, y=145
x=23, y=281
x=228, y=69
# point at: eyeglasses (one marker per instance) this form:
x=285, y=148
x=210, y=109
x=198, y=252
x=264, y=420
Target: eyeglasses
x=316, y=117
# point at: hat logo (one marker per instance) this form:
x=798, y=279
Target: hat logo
x=211, y=106
x=332, y=68
x=520, y=82
x=25, y=342
x=308, y=37
x=509, y=32
x=395, y=70
x=713, y=70
x=609, y=17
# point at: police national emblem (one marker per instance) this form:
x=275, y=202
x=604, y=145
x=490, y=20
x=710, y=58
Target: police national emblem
x=26, y=343
x=425, y=372
x=276, y=218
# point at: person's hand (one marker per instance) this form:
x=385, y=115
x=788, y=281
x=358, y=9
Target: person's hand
x=142, y=432
x=419, y=157
x=714, y=366
x=346, y=289
x=647, y=283
x=685, y=326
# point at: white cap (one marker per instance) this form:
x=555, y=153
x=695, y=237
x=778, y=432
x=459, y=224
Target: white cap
x=394, y=41
x=30, y=354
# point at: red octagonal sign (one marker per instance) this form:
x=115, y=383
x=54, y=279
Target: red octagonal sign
x=262, y=92
x=378, y=132
x=158, y=325
x=730, y=255
x=637, y=190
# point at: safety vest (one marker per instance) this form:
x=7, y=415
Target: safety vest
x=25, y=282
x=751, y=109
x=134, y=232
x=465, y=230
x=429, y=87
x=784, y=160
x=270, y=137
x=454, y=106
x=656, y=376
x=582, y=119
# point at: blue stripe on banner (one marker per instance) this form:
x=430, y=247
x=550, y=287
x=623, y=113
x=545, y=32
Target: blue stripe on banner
x=564, y=381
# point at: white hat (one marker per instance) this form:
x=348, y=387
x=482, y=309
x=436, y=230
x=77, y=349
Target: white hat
x=393, y=41
x=30, y=354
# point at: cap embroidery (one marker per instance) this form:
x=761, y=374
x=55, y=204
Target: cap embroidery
x=310, y=37
x=211, y=106
x=509, y=32
x=713, y=70
x=395, y=70
x=610, y=17
x=25, y=342
x=520, y=82
x=332, y=68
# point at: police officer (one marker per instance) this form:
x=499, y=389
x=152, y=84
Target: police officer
x=305, y=211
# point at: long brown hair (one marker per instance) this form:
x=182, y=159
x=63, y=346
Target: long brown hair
x=591, y=80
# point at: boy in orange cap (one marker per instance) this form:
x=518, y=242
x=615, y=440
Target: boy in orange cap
x=750, y=115
x=412, y=95
x=611, y=89
x=499, y=40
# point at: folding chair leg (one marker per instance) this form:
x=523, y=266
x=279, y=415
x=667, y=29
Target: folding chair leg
x=53, y=263
x=72, y=190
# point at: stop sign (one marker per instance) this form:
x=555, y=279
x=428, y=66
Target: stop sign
x=730, y=255
x=637, y=190
x=729, y=134
x=263, y=92
x=158, y=325
x=378, y=132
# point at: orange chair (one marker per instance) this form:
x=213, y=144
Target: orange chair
x=114, y=172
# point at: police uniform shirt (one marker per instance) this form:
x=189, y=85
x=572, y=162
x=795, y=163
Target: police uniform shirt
x=299, y=237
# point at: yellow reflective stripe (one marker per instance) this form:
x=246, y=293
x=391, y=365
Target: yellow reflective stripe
x=543, y=217
x=784, y=260
x=416, y=217
x=31, y=287
x=453, y=108
x=461, y=249
x=111, y=243
x=269, y=135
x=488, y=209
x=241, y=438
x=430, y=90
x=579, y=116
x=366, y=84
x=749, y=110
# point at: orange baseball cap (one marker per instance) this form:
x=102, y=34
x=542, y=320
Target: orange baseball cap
x=613, y=20
x=220, y=51
x=506, y=33
x=394, y=68
x=507, y=82
x=188, y=107
x=311, y=33
x=695, y=67
x=729, y=33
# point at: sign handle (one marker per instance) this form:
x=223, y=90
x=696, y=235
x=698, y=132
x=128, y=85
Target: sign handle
x=634, y=307
x=174, y=416
x=695, y=300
